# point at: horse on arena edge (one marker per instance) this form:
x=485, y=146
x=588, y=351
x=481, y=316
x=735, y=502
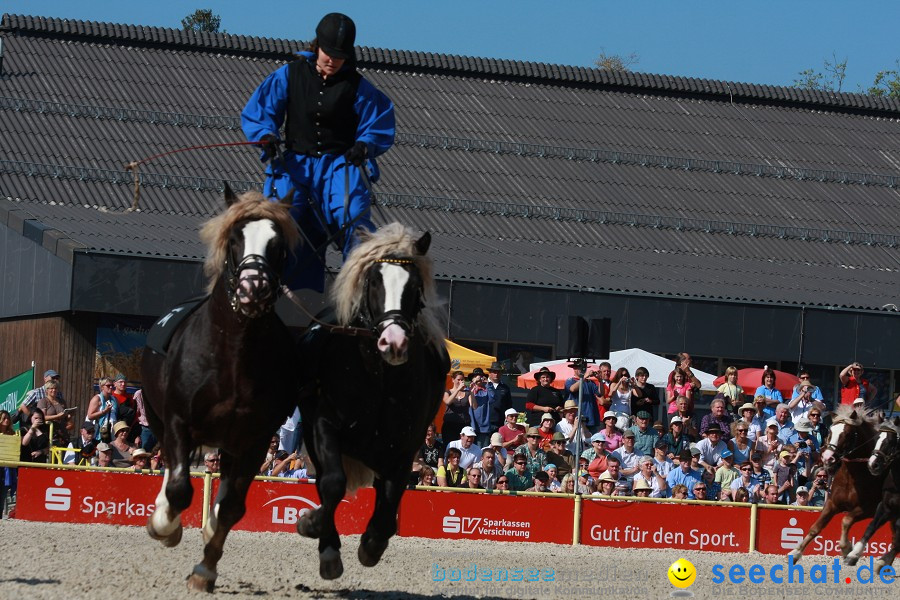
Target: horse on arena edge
x=884, y=456
x=369, y=396
x=217, y=383
x=848, y=447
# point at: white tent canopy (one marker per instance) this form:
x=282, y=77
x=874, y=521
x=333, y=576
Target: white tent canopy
x=633, y=358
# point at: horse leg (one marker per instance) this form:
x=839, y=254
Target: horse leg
x=174, y=496
x=828, y=512
x=383, y=524
x=853, y=515
x=888, y=557
x=880, y=518
x=229, y=507
x=331, y=483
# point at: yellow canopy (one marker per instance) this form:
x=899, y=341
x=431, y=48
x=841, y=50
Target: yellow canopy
x=465, y=360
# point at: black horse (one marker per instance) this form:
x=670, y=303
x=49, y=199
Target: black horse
x=374, y=387
x=884, y=461
x=218, y=382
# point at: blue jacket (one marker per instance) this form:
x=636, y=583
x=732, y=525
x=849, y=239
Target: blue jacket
x=266, y=109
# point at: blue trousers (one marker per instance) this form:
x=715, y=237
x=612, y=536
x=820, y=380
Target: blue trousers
x=328, y=194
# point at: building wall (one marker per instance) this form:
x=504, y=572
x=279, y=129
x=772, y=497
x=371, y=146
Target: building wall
x=64, y=342
x=35, y=281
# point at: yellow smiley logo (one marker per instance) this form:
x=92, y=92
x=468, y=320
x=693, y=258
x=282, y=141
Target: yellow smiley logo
x=682, y=573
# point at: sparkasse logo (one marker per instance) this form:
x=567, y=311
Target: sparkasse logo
x=58, y=498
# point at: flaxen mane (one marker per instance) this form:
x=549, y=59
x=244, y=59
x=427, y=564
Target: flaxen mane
x=250, y=206
x=391, y=240
x=842, y=414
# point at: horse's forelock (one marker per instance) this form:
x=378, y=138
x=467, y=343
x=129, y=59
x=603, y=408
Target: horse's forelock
x=250, y=205
x=393, y=239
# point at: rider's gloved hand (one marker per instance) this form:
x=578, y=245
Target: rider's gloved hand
x=269, y=145
x=357, y=153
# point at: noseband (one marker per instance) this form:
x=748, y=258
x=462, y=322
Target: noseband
x=888, y=457
x=388, y=317
x=265, y=294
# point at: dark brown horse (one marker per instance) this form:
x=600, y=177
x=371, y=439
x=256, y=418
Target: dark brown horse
x=218, y=382
x=368, y=398
x=885, y=459
x=853, y=488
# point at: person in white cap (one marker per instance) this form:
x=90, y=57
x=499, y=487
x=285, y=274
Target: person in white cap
x=512, y=433
x=466, y=445
x=802, y=496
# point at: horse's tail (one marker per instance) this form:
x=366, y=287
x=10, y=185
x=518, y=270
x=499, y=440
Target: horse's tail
x=358, y=475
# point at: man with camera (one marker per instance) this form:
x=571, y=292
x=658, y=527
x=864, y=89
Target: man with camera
x=82, y=450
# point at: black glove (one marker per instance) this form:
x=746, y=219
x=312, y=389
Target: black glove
x=356, y=155
x=269, y=145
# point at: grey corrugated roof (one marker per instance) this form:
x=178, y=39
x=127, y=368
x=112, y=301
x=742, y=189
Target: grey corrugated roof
x=529, y=174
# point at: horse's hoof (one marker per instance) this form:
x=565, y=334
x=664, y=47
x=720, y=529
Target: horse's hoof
x=331, y=568
x=851, y=560
x=370, y=553
x=307, y=526
x=197, y=583
x=878, y=565
x=169, y=541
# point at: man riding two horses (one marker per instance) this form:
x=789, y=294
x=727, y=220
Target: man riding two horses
x=336, y=122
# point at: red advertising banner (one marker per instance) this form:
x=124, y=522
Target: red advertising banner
x=276, y=506
x=779, y=532
x=486, y=517
x=65, y=496
x=622, y=524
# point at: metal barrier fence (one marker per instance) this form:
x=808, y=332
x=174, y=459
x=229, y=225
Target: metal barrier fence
x=69, y=493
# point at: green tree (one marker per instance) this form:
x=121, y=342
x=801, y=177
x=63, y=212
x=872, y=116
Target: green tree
x=616, y=62
x=202, y=20
x=832, y=80
x=887, y=83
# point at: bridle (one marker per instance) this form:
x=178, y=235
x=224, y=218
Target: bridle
x=850, y=446
x=890, y=457
x=264, y=284
x=367, y=327
x=389, y=317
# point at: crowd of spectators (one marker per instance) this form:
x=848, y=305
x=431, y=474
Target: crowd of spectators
x=753, y=446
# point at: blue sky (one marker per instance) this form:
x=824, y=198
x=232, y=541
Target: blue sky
x=756, y=41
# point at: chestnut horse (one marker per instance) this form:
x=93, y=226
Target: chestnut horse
x=850, y=443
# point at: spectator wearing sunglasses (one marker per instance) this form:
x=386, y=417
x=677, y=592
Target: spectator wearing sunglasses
x=746, y=480
x=818, y=489
x=103, y=409
x=518, y=477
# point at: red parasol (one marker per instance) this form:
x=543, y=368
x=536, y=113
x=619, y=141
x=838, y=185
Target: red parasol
x=562, y=370
x=750, y=379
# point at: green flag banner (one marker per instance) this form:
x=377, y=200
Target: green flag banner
x=13, y=390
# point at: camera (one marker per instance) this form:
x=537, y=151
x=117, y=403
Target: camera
x=89, y=449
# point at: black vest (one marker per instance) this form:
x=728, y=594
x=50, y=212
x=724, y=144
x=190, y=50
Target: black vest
x=320, y=114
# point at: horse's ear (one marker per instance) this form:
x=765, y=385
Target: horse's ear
x=896, y=421
x=287, y=199
x=423, y=243
x=230, y=197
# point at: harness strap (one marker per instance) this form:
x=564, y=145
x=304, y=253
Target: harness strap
x=337, y=329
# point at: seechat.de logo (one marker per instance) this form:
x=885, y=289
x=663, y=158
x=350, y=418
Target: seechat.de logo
x=58, y=498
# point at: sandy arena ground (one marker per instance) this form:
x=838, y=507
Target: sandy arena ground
x=44, y=560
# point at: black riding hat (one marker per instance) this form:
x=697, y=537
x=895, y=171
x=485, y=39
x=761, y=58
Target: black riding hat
x=336, y=35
